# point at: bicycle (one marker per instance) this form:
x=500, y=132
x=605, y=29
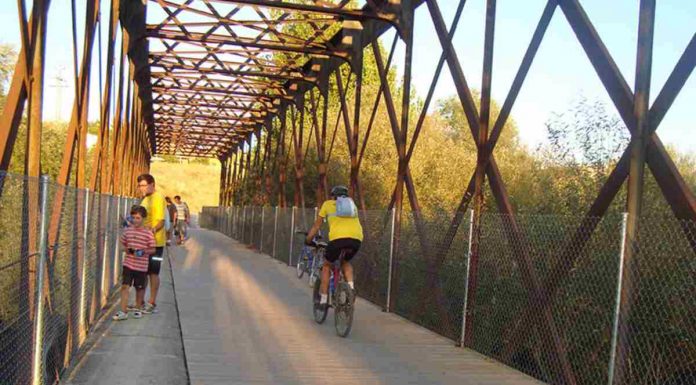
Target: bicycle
x=307, y=261
x=341, y=298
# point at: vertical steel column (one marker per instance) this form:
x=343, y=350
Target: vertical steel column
x=465, y=306
x=639, y=140
x=407, y=20
x=263, y=211
x=617, y=304
x=481, y=161
x=82, y=321
x=251, y=227
x=387, y=306
x=275, y=231
x=223, y=182
x=292, y=235
x=282, y=173
x=37, y=371
x=33, y=153
x=101, y=154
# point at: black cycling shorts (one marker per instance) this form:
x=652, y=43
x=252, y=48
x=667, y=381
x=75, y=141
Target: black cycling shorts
x=153, y=266
x=333, y=249
x=130, y=277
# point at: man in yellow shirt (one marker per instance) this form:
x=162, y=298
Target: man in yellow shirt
x=155, y=205
x=345, y=233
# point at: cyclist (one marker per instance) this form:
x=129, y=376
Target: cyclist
x=345, y=233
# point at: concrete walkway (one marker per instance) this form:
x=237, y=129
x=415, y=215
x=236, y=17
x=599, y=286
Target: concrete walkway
x=137, y=351
x=246, y=319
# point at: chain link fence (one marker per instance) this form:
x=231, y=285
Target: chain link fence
x=536, y=292
x=62, y=242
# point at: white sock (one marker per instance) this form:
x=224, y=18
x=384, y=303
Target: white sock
x=324, y=299
x=351, y=284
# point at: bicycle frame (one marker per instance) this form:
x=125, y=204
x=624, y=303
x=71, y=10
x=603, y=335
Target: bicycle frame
x=335, y=272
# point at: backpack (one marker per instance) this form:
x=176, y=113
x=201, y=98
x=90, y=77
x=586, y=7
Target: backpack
x=345, y=207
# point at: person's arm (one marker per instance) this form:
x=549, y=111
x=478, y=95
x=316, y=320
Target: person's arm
x=187, y=213
x=313, y=231
x=150, y=246
x=123, y=240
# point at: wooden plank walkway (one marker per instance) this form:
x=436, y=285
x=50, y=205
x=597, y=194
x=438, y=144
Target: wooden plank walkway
x=246, y=319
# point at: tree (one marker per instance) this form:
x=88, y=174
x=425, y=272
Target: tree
x=8, y=57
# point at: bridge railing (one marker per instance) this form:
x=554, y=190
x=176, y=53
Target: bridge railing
x=573, y=261
x=61, y=242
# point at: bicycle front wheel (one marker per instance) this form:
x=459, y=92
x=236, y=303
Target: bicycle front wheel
x=301, y=267
x=319, y=313
x=343, y=311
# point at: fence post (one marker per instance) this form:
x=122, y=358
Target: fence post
x=40, y=264
x=292, y=235
x=109, y=226
x=617, y=306
x=275, y=232
x=263, y=211
x=387, y=306
x=230, y=211
x=83, y=280
x=235, y=222
x=466, y=277
x=241, y=237
x=251, y=227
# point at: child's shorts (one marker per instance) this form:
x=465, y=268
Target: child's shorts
x=137, y=279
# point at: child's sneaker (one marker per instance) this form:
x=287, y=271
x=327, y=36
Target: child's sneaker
x=149, y=308
x=132, y=307
x=137, y=314
x=120, y=316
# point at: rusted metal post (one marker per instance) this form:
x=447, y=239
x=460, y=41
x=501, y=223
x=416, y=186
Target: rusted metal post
x=639, y=140
x=282, y=177
x=32, y=161
x=480, y=178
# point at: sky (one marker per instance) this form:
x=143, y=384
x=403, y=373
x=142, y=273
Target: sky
x=560, y=73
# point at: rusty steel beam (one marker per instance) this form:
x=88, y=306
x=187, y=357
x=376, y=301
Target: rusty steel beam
x=639, y=140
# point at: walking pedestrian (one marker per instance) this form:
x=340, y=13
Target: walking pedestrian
x=182, y=213
x=171, y=208
x=156, y=206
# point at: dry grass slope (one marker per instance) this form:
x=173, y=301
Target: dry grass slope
x=198, y=184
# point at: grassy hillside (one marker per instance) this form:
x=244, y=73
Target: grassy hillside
x=198, y=184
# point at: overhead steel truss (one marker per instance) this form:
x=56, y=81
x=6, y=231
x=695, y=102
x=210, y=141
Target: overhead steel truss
x=217, y=57
x=228, y=78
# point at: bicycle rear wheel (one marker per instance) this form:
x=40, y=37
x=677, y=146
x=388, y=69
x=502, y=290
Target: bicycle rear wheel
x=343, y=310
x=319, y=314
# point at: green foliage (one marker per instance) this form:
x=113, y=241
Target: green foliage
x=8, y=57
x=53, y=136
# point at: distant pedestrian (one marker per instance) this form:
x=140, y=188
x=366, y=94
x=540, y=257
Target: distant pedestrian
x=156, y=206
x=139, y=243
x=171, y=209
x=183, y=218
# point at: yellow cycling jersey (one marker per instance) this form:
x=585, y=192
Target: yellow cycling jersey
x=340, y=227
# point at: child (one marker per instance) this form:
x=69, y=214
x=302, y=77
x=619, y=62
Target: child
x=139, y=243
